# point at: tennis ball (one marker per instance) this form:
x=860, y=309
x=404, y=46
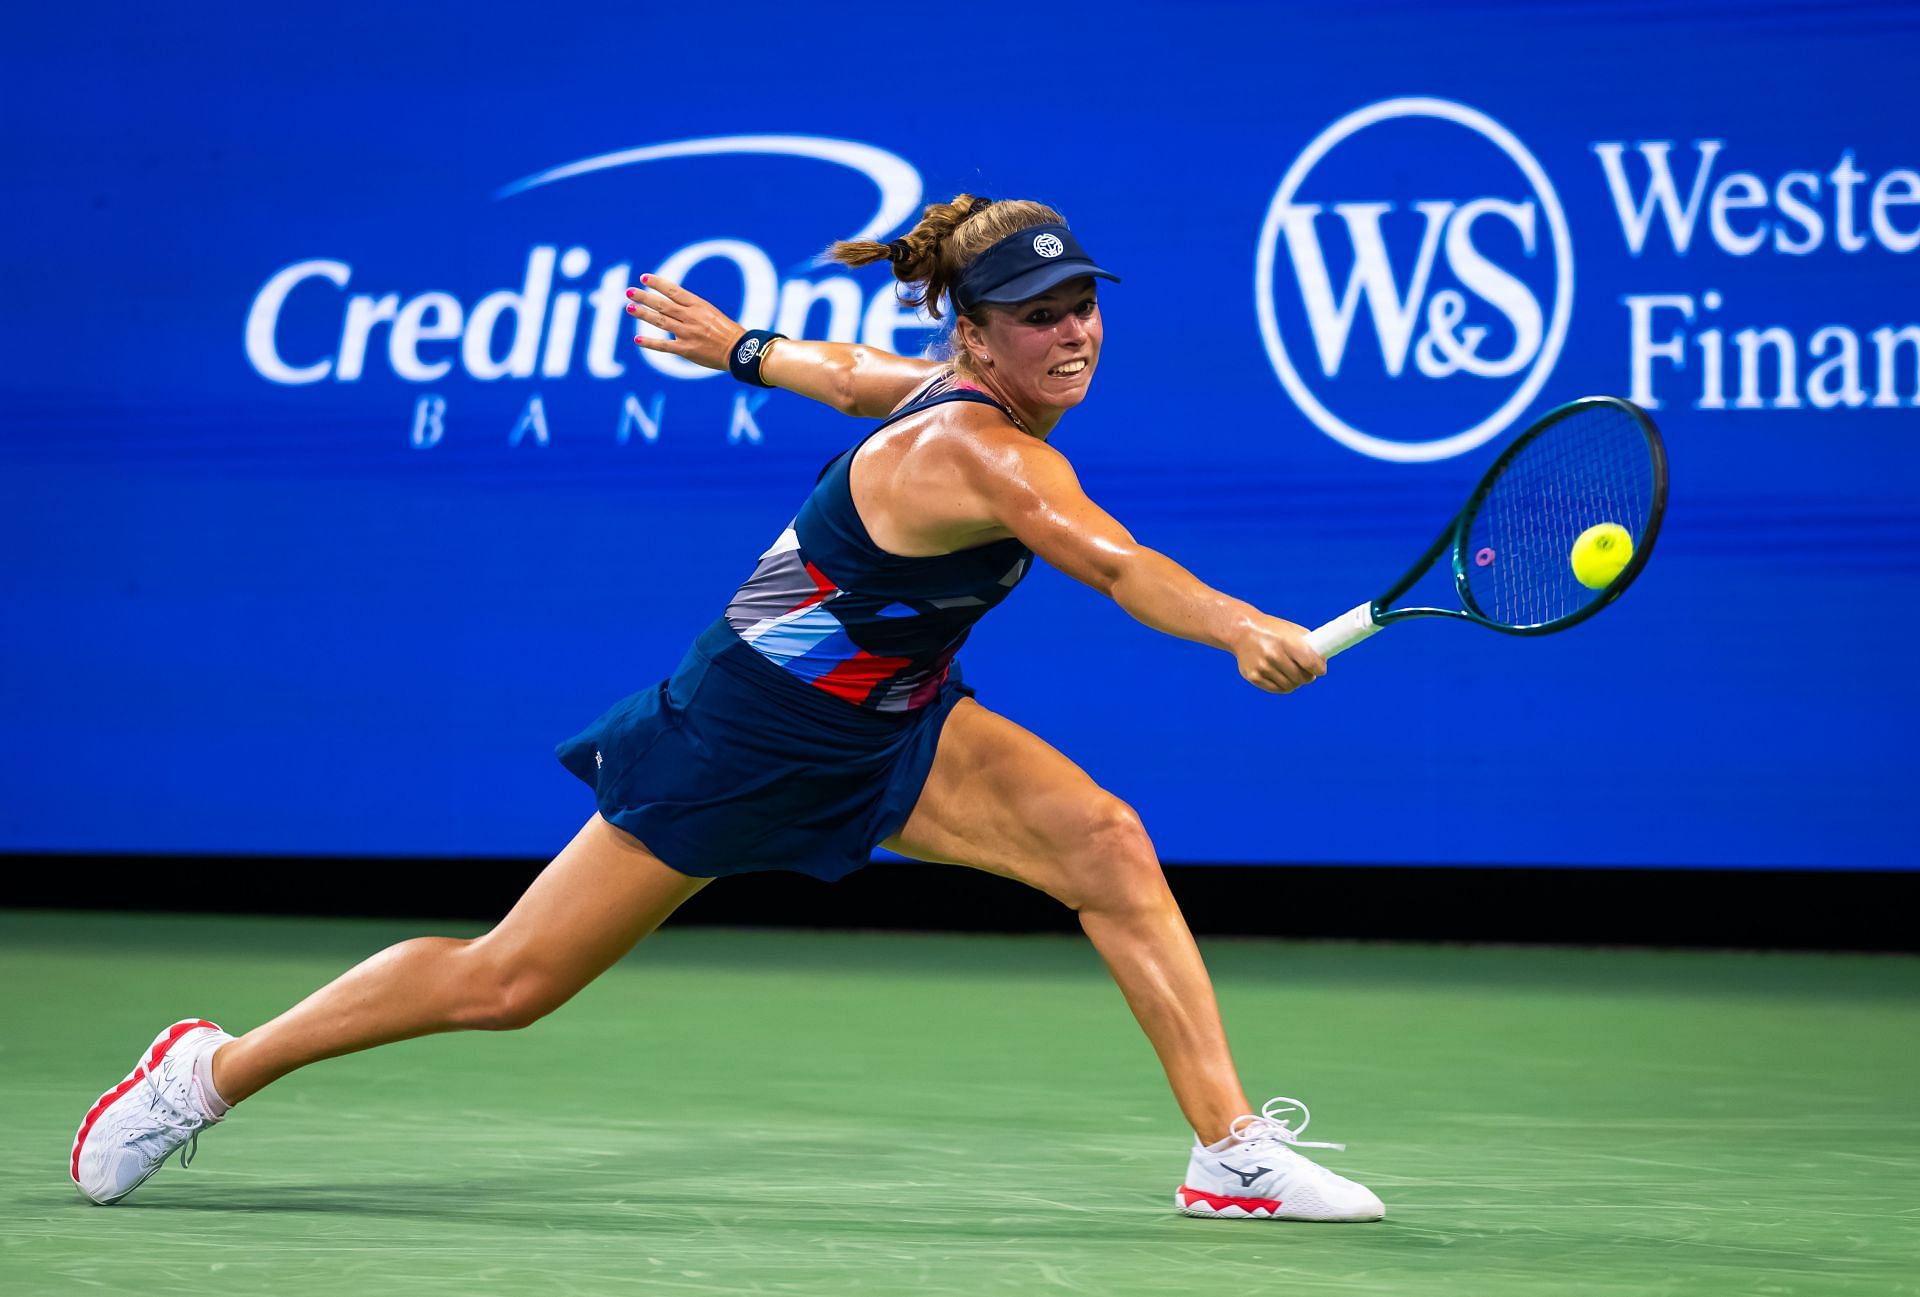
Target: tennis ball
x=1599, y=555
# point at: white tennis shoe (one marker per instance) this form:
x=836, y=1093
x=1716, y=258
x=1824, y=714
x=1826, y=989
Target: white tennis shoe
x=1255, y=1174
x=132, y=1129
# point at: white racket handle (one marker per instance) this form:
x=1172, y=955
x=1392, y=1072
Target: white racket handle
x=1344, y=631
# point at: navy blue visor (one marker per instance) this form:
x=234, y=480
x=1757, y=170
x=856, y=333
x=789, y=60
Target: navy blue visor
x=1024, y=265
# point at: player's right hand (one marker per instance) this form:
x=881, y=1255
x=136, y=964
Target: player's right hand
x=699, y=330
x=1274, y=654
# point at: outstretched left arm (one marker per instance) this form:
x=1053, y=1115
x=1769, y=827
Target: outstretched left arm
x=853, y=379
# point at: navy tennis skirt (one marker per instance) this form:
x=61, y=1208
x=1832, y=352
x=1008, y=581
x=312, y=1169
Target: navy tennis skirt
x=732, y=766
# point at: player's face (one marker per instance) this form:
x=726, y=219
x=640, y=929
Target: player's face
x=1044, y=349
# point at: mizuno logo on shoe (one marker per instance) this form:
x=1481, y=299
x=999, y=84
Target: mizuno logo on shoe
x=1247, y=1177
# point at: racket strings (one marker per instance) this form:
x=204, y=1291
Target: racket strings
x=1594, y=466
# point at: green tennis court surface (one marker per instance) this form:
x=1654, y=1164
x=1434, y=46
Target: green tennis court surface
x=772, y=1112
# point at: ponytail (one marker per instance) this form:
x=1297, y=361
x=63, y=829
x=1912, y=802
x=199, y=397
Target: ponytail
x=929, y=257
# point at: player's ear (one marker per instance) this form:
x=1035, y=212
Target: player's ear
x=974, y=339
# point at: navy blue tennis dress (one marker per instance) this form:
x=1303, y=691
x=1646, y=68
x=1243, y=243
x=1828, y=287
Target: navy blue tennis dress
x=798, y=731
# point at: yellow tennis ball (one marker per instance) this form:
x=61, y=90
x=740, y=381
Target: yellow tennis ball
x=1600, y=554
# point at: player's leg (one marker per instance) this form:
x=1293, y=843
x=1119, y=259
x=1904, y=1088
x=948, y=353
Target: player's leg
x=1001, y=799
x=599, y=896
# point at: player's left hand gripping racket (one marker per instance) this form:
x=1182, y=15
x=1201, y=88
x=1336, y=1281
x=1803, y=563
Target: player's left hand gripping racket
x=1538, y=546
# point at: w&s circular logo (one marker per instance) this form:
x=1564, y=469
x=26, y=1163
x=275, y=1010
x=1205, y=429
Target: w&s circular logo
x=1414, y=279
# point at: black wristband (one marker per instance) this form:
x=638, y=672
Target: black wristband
x=743, y=362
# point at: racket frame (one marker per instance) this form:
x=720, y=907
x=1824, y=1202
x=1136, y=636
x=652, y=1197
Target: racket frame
x=1368, y=618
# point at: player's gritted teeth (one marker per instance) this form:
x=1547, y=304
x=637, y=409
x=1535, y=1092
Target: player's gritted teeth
x=1068, y=368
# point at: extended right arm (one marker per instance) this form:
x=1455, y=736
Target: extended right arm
x=853, y=379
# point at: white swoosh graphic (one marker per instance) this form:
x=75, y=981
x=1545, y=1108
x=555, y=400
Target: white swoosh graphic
x=898, y=181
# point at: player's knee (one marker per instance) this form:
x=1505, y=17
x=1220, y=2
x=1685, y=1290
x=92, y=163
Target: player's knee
x=500, y=996
x=1113, y=828
x=1117, y=866
x=517, y=1005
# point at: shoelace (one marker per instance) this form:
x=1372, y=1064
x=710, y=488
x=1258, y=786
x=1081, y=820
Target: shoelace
x=1249, y=1128
x=170, y=1119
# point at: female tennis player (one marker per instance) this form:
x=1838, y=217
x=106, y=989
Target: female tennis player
x=821, y=716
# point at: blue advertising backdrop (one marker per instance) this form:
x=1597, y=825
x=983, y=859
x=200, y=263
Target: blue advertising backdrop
x=333, y=492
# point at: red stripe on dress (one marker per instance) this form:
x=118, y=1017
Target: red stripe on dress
x=826, y=588
x=860, y=675
x=928, y=691
x=1188, y=1197
x=146, y=1065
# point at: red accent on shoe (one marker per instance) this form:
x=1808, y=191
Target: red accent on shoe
x=1188, y=1197
x=160, y=1047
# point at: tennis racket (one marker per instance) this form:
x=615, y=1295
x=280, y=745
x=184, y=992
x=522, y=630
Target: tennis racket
x=1571, y=491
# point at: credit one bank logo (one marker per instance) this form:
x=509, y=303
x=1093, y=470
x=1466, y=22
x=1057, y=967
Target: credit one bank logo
x=563, y=316
x=1442, y=307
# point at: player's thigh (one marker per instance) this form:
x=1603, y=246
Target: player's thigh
x=598, y=897
x=1001, y=799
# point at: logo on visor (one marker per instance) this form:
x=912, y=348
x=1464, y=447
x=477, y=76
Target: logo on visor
x=1414, y=275
x=1049, y=245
